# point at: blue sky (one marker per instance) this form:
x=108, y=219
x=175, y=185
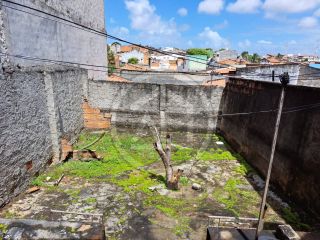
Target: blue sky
x=263, y=26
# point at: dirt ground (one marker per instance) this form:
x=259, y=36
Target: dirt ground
x=127, y=188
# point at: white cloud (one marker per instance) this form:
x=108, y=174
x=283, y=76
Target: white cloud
x=120, y=31
x=308, y=22
x=222, y=25
x=264, y=42
x=211, y=6
x=183, y=12
x=153, y=29
x=290, y=6
x=244, y=44
x=213, y=39
x=244, y=6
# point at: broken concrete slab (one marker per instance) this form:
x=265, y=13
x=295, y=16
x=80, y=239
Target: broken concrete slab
x=39, y=229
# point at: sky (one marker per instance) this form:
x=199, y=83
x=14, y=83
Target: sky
x=262, y=26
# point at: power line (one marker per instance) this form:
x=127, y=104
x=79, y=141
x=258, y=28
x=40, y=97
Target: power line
x=104, y=34
x=68, y=63
x=99, y=32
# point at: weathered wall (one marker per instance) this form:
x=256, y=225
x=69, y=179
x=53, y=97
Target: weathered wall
x=167, y=78
x=296, y=165
x=299, y=74
x=38, y=107
x=170, y=106
x=264, y=72
x=39, y=37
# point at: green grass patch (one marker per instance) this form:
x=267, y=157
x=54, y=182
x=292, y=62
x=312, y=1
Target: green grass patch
x=237, y=201
x=215, y=154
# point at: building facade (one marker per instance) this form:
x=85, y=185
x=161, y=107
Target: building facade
x=36, y=35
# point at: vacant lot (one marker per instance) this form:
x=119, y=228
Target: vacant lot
x=127, y=187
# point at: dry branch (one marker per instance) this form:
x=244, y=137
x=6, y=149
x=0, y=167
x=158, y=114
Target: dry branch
x=172, y=178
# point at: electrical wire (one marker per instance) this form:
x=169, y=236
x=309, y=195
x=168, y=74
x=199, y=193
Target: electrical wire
x=99, y=32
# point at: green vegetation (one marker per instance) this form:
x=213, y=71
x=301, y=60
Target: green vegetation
x=254, y=58
x=236, y=200
x=215, y=154
x=133, y=60
x=200, y=51
x=111, y=61
x=125, y=161
x=293, y=219
x=3, y=228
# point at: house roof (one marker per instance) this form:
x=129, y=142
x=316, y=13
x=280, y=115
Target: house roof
x=225, y=70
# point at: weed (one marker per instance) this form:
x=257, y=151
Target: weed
x=184, y=181
x=293, y=218
x=212, y=155
x=91, y=200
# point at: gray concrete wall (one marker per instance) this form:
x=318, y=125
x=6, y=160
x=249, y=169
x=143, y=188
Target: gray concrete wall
x=299, y=74
x=296, y=165
x=263, y=73
x=35, y=36
x=38, y=107
x=169, y=106
x=167, y=78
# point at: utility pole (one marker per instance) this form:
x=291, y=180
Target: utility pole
x=284, y=79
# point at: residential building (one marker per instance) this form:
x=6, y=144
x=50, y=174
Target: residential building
x=196, y=63
x=226, y=54
x=132, y=51
x=300, y=74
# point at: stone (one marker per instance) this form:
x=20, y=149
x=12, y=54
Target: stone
x=196, y=186
x=154, y=188
x=84, y=228
x=163, y=192
x=287, y=233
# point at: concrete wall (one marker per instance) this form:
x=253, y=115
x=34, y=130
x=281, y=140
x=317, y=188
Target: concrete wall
x=39, y=107
x=167, y=78
x=296, y=165
x=263, y=73
x=169, y=106
x=299, y=74
x=34, y=36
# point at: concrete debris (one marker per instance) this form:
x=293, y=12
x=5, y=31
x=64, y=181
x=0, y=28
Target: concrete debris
x=163, y=192
x=285, y=232
x=154, y=188
x=196, y=186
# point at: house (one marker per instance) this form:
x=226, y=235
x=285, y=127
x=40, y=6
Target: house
x=226, y=54
x=196, y=63
x=132, y=51
x=270, y=60
x=236, y=63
